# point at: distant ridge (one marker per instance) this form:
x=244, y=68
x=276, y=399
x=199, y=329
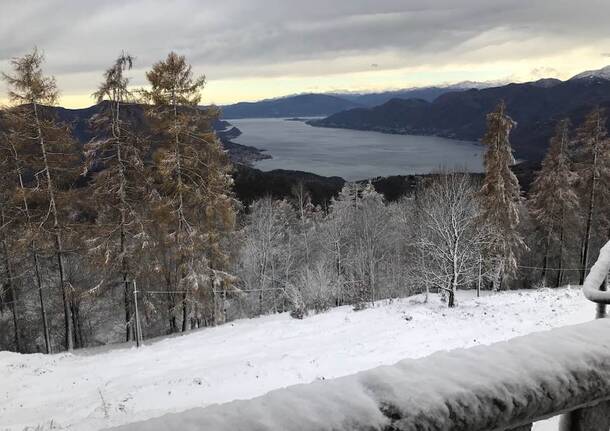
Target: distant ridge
x=536, y=106
x=324, y=104
x=603, y=73
x=303, y=105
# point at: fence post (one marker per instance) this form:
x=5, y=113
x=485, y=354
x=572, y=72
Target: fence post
x=137, y=316
x=479, y=282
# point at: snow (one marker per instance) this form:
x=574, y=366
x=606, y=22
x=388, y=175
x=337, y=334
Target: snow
x=596, y=277
x=98, y=388
x=603, y=73
x=477, y=389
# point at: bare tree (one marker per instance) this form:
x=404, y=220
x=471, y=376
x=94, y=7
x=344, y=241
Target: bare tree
x=450, y=235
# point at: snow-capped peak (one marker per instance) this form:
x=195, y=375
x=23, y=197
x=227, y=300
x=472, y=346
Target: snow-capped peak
x=603, y=73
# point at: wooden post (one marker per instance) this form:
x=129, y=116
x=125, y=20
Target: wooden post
x=138, y=332
x=479, y=282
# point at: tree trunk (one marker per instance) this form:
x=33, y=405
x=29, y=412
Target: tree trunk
x=451, y=302
x=13, y=298
x=184, y=311
x=545, y=260
x=585, y=246
x=559, y=278
x=10, y=284
x=43, y=312
x=57, y=234
x=34, y=251
x=127, y=299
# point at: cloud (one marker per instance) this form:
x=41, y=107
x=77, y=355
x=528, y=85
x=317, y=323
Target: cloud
x=236, y=39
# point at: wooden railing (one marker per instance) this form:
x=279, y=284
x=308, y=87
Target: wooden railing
x=505, y=386
x=595, y=290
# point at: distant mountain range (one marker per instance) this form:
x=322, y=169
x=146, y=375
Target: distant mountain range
x=303, y=105
x=536, y=106
x=318, y=105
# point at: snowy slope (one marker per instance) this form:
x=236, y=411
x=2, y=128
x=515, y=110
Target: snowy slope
x=244, y=359
x=603, y=73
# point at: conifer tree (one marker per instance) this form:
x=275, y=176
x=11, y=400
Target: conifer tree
x=30, y=90
x=594, y=172
x=552, y=198
x=118, y=188
x=13, y=183
x=500, y=194
x=8, y=288
x=192, y=176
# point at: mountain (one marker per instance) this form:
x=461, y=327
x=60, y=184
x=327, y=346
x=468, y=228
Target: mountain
x=317, y=105
x=79, y=121
x=603, y=73
x=536, y=106
x=424, y=93
x=303, y=105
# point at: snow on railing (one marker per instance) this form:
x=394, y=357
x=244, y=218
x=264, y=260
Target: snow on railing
x=507, y=385
x=596, y=277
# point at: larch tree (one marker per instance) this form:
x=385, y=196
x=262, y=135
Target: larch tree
x=8, y=220
x=114, y=158
x=553, y=199
x=15, y=188
x=594, y=172
x=500, y=194
x=192, y=175
x=31, y=92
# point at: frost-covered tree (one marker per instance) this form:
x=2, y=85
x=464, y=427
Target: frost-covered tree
x=450, y=236
x=553, y=199
x=336, y=234
x=114, y=159
x=594, y=177
x=370, y=243
x=268, y=251
x=192, y=177
x=50, y=151
x=500, y=194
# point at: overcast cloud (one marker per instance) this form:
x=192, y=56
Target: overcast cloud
x=310, y=40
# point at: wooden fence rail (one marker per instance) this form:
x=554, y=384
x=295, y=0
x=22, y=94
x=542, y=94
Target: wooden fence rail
x=505, y=386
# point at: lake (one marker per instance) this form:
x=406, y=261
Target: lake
x=353, y=154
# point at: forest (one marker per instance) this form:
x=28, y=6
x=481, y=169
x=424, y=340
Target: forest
x=145, y=220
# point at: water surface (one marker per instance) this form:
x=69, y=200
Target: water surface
x=353, y=154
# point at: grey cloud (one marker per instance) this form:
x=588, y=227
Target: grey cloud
x=235, y=38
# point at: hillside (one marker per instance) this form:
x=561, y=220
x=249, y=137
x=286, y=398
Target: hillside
x=304, y=105
x=97, y=388
x=536, y=106
x=314, y=105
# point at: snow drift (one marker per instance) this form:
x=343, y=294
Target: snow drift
x=481, y=388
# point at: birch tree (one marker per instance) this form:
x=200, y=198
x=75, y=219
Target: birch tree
x=450, y=236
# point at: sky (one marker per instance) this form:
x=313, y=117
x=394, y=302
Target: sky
x=255, y=49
